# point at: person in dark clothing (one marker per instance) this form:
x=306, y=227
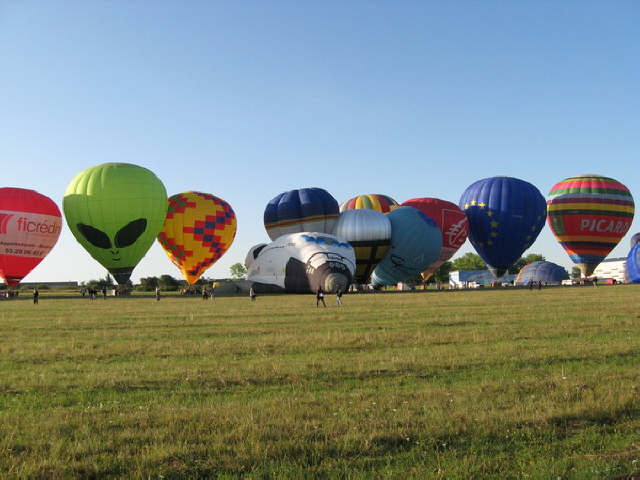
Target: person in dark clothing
x=320, y=298
x=36, y=294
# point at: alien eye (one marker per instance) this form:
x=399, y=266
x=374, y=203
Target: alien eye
x=96, y=237
x=128, y=234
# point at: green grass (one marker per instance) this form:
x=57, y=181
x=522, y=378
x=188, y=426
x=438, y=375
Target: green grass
x=503, y=383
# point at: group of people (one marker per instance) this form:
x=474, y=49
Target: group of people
x=320, y=297
x=93, y=293
x=208, y=292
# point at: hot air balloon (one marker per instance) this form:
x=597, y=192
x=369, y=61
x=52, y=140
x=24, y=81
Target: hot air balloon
x=115, y=211
x=589, y=215
x=303, y=210
x=373, y=201
x=505, y=216
x=416, y=242
x=198, y=230
x=30, y=224
x=369, y=233
x=302, y=262
x=542, y=271
x=452, y=223
x=633, y=264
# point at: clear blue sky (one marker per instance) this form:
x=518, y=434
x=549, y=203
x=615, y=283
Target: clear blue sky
x=247, y=99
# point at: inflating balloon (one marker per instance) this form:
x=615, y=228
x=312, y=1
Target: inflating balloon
x=635, y=239
x=633, y=264
x=589, y=215
x=372, y=201
x=416, y=242
x=303, y=210
x=30, y=224
x=115, y=211
x=198, y=230
x=369, y=233
x=505, y=216
x=452, y=222
x=542, y=271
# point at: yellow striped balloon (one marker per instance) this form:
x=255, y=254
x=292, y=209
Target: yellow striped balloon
x=589, y=215
x=373, y=201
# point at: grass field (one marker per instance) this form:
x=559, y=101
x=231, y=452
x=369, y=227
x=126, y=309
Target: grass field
x=503, y=383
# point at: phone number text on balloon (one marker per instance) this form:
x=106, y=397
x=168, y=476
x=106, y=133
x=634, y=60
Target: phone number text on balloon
x=24, y=252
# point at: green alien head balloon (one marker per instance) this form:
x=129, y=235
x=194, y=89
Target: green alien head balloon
x=115, y=211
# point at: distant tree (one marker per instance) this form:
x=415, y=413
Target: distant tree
x=469, y=261
x=167, y=282
x=148, y=284
x=524, y=261
x=441, y=275
x=101, y=282
x=107, y=281
x=238, y=271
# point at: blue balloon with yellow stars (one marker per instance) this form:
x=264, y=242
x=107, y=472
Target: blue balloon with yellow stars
x=506, y=216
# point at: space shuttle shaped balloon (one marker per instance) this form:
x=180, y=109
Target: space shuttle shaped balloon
x=302, y=262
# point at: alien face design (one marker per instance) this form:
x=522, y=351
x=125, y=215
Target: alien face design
x=125, y=237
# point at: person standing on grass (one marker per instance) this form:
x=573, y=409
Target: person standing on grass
x=252, y=294
x=36, y=294
x=338, y=296
x=320, y=297
x=158, y=293
x=104, y=292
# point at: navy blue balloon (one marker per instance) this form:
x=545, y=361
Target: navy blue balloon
x=303, y=210
x=505, y=216
x=542, y=271
x=633, y=264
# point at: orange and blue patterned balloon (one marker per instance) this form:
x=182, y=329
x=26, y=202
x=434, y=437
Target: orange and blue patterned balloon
x=506, y=216
x=373, y=201
x=198, y=231
x=589, y=215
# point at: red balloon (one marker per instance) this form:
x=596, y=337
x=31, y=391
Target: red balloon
x=30, y=224
x=451, y=220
